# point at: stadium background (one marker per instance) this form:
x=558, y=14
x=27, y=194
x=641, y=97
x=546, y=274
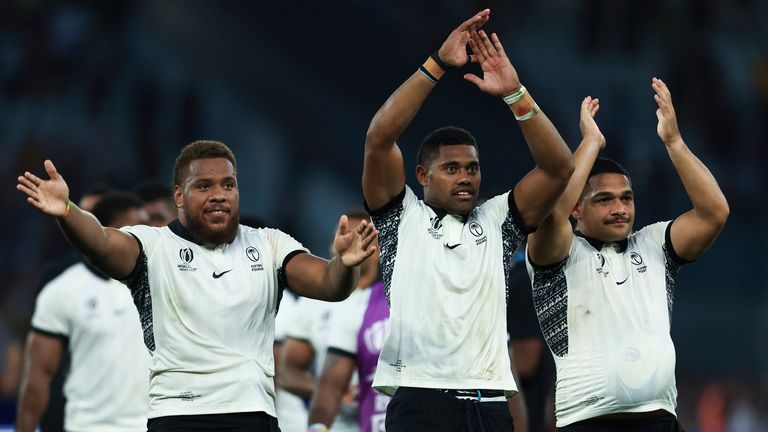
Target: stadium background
x=111, y=90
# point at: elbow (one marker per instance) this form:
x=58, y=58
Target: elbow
x=374, y=138
x=380, y=133
x=562, y=171
x=566, y=167
x=717, y=216
x=723, y=212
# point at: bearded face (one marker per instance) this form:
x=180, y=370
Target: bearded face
x=209, y=201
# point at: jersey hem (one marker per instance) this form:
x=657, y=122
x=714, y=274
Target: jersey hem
x=389, y=387
x=105, y=428
x=219, y=409
x=645, y=407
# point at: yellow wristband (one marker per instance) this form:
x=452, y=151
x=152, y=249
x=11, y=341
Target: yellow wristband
x=66, y=209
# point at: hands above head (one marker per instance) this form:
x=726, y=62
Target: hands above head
x=589, y=129
x=49, y=196
x=356, y=245
x=667, y=126
x=453, y=52
x=499, y=76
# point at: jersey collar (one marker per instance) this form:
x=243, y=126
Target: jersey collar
x=441, y=213
x=180, y=230
x=621, y=245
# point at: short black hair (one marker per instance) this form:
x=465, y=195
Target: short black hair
x=449, y=135
x=152, y=190
x=604, y=165
x=113, y=204
x=203, y=149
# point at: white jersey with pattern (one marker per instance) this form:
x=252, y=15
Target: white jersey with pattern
x=209, y=317
x=445, y=279
x=605, y=314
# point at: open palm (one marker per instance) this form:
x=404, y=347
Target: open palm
x=354, y=246
x=49, y=196
x=499, y=76
x=454, y=50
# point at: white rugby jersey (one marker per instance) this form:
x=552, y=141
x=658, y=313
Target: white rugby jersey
x=311, y=323
x=605, y=314
x=108, y=377
x=292, y=414
x=445, y=280
x=209, y=317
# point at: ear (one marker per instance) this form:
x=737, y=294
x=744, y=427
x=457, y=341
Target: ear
x=422, y=175
x=576, y=212
x=178, y=196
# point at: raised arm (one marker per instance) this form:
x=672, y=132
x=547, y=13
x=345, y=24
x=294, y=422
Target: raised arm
x=42, y=358
x=314, y=277
x=540, y=189
x=112, y=251
x=694, y=231
x=552, y=240
x=383, y=171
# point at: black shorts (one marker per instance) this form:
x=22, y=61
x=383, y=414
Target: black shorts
x=418, y=409
x=234, y=422
x=667, y=423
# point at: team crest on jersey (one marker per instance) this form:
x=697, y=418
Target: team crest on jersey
x=600, y=270
x=637, y=261
x=477, y=230
x=435, y=227
x=186, y=255
x=253, y=254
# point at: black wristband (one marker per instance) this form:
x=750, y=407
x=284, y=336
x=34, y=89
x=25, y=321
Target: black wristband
x=440, y=61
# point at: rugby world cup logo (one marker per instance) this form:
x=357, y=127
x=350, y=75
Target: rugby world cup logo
x=435, y=227
x=186, y=255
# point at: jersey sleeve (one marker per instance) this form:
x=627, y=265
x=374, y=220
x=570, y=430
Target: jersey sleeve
x=654, y=233
x=502, y=209
x=659, y=234
x=346, y=323
x=284, y=247
x=147, y=236
x=284, y=316
x=300, y=324
x=53, y=314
